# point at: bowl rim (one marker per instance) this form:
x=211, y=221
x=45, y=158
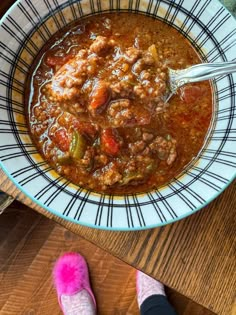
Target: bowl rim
x=105, y=228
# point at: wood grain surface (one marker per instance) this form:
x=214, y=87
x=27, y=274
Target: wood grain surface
x=195, y=256
x=29, y=246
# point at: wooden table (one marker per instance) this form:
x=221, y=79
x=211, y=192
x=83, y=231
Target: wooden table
x=195, y=256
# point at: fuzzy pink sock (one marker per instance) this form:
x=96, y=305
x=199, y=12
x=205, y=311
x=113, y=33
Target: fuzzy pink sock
x=147, y=286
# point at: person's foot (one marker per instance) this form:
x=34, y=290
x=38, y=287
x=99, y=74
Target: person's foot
x=79, y=303
x=147, y=286
x=71, y=280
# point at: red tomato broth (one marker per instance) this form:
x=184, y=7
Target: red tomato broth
x=97, y=112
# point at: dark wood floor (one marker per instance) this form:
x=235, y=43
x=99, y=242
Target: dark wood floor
x=29, y=246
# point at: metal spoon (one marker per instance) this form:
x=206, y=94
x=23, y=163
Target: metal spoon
x=200, y=72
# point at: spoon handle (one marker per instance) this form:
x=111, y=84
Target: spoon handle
x=201, y=72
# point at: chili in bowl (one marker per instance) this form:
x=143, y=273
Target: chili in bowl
x=97, y=110
x=94, y=139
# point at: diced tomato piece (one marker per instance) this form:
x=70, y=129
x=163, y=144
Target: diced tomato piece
x=190, y=93
x=100, y=95
x=53, y=61
x=109, y=142
x=85, y=127
x=61, y=139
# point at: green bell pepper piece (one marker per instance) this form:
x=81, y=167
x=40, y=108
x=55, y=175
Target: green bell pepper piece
x=77, y=146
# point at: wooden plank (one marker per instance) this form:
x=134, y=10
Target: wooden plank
x=28, y=251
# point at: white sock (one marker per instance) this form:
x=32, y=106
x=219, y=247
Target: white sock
x=147, y=286
x=78, y=304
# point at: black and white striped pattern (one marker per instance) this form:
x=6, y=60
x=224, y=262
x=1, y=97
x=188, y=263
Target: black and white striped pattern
x=25, y=29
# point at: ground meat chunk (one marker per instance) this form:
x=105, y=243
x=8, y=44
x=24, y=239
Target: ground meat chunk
x=87, y=159
x=70, y=81
x=165, y=149
x=101, y=44
x=137, y=169
x=145, y=75
x=137, y=146
x=109, y=175
x=147, y=136
x=121, y=89
x=119, y=112
x=142, y=63
x=132, y=54
x=67, y=82
x=148, y=59
x=140, y=91
x=123, y=113
x=118, y=105
x=101, y=159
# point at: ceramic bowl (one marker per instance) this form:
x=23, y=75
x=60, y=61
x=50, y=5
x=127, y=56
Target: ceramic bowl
x=27, y=26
